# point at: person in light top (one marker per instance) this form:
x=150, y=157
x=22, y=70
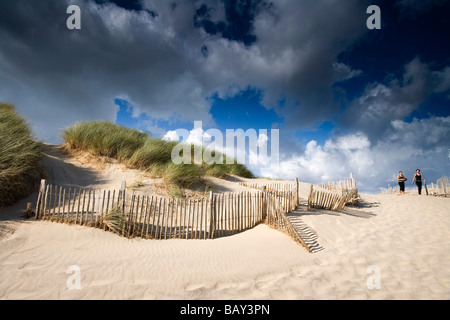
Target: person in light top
x=401, y=182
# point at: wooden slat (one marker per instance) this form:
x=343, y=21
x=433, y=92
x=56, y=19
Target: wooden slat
x=82, y=206
x=155, y=219
x=57, y=219
x=150, y=206
x=63, y=205
x=172, y=213
x=93, y=208
x=143, y=217
x=163, y=206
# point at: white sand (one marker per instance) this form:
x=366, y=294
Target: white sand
x=406, y=237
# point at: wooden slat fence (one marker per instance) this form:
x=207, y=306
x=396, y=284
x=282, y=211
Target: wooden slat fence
x=338, y=185
x=276, y=189
x=442, y=187
x=151, y=217
x=325, y=199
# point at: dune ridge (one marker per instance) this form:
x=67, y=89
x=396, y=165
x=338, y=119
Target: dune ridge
x=407, y=238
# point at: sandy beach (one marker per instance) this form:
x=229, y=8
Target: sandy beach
x=402, y=242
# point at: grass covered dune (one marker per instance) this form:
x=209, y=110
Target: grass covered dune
x=20, y=154
x=139, y=150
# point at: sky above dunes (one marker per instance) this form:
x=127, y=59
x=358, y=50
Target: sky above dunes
x=344, y=98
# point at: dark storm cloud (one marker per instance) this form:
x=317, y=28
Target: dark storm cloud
x=304, y=43
x=126, y=4
x=417, y=7
x=133, y=5
x=57, y=76
x=168, y=58
x=383, y=103
x=165, y=64
x=239, y=18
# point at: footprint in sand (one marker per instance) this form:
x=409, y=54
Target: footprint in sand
x=192, y=287
x=320, y=262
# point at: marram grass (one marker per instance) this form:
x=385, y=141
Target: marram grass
x=20, y=154
x=139, y=150
x=105, y=139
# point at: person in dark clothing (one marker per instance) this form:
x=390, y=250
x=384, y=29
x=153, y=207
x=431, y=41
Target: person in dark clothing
x=418, y=178
x=401, y=182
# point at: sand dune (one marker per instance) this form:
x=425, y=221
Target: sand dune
x=405, y=238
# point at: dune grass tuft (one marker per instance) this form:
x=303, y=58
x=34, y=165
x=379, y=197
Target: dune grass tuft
x=105, y=139
x=116, y=221
x=153, y=151
x=228, y=167
x=139, y=150
x=20, y=155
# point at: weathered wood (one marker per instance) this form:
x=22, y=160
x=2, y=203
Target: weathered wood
x=87, y=207
x=78, y=206
x=132, y=213
x=233, y=219
x=156, y=214
x=123, y=190
x=239, y=211
x=172, y=209
x=222, y=206
x=155, y=219
x=69, y=213
x=82, y=207
x=149, y=215
x=100, y=216
x=143, y=215
x=54, y=198
x=203, y=213
x=93, y=207
x=162, y=219
x=211, y=215
x=63, y=205
x=188, y=224
x=196, y=217
x=177, y=208
x=72, y=211
x=40, y=199
x=220, y=215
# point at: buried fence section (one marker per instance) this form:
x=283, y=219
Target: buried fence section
x=151, y=217
x=325, y=199
x=341, y=185
x=443, y=187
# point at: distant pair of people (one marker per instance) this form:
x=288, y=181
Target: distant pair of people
x=417, y=178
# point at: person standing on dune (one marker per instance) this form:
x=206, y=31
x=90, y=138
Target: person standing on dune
x=418, y=178
x=401, y=182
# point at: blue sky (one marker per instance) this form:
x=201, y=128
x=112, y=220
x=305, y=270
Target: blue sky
x=345, y=98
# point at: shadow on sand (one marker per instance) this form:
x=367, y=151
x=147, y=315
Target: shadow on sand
x=309, y=235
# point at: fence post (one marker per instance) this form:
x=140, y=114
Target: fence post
x=310, y=198
x=40, y=197
x=297, y=202
x=264, y=204
x=211, y=212
x=123, y=189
